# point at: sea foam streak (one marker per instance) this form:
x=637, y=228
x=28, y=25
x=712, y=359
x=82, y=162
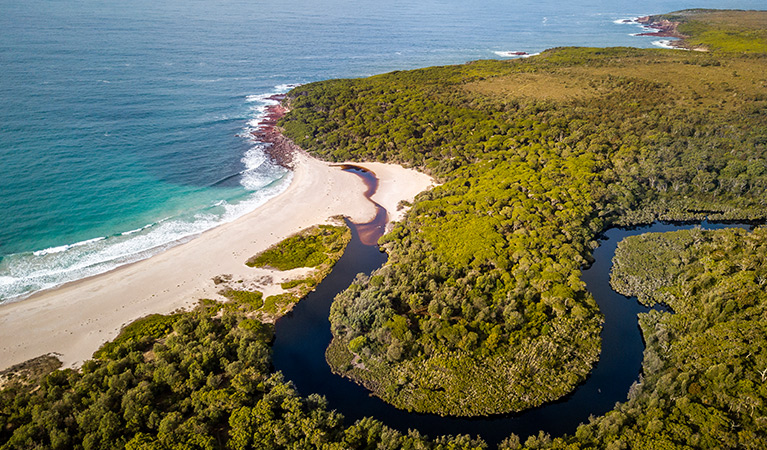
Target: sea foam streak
x=23, y=274
x=63, y=248
x=514, y=54
x=667, y=43
x=635, y=22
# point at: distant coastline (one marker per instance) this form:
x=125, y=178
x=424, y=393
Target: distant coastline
x=665, y=28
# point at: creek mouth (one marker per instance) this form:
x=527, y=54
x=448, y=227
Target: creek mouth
x=304, y=334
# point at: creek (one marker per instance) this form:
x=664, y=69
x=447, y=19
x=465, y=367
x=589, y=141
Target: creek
x=303, y=335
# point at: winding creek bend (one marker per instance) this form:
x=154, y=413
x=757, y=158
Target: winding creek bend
x=303, y=335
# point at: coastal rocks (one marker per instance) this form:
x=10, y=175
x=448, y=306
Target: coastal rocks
x=665, y=28
x=279, y=148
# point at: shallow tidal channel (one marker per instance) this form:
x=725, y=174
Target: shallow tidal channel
x=303, y=335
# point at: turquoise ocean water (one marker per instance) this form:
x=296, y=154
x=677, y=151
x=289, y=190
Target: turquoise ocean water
x=124, y=125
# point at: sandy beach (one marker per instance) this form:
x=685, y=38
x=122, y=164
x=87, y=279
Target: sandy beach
x=74, y=320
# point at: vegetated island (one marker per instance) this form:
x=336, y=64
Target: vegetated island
x=480, y=308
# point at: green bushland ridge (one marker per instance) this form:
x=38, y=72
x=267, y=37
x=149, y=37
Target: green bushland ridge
x=704, y=380
x=716, y=30
x=481, y=309
x=205, y=383
x=138, y=335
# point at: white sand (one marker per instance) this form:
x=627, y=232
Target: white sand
x=76, y=319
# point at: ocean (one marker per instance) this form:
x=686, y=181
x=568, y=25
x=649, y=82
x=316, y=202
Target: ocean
x=125, y=126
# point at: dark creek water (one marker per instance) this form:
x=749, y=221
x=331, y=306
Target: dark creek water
x=303, y=335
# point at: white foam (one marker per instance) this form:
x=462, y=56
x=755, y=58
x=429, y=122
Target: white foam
x=235, y=211
x=51, y=250
x=89, y=241
x=259, y=171
x=283, y=88
x=254, y=124
x=62, y=248
x=257, y=97
x=254, y=158
x=137, y=230
x=258, y=111
x=509, y=54
x=26, y=273
x=662, y=43
x=665, y=44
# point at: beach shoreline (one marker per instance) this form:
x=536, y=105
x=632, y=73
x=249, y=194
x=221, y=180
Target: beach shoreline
x=74, y=320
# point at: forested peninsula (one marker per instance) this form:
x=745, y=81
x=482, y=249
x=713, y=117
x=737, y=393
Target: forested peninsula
x=480, y=309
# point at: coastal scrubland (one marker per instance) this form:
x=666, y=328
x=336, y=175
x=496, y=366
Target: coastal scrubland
x=318, y=248
x=204, y=383
x=480, y=308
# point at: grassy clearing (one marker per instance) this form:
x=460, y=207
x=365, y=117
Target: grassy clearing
x=29, y=372
x=693, y=80
x=318, y=247
x=248, y=300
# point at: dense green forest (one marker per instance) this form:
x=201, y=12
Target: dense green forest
x=536, y=158
x=203, y=383
x=480, y=308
